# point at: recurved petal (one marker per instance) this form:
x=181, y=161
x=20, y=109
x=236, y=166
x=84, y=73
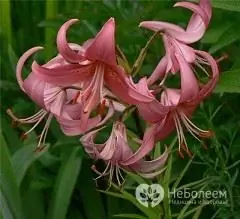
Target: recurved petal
x=161, y=26
x=173, y=31
x=63, y=47
x=147, y=145
x=159, y=71
x=22, y=61
x=102, y=48
x=207, y=89
x=158, y=163
x=196, y=9
x=189, y=84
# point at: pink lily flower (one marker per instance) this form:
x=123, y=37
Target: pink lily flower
x=181, y=103
x=54, y=101
x=196, y=27
x=95, y=65
x=118, y=155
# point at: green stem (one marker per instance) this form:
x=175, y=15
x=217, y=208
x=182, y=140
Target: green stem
x=138, y=63
x=6, y=24
x=166, y=182
x=51, y=13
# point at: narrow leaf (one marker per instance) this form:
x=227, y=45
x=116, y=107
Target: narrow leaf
x=65, y=182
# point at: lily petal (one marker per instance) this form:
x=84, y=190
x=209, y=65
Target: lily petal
x=189, y=84
x=63, y=46
x=22, y=61
x=103, y=46
x=62, y=75
x=147, y=145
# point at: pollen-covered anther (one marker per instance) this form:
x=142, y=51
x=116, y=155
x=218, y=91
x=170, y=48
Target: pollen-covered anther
x=101, y=108
x=223, y=57
x=186, y=149
x=75, y=99
x=207, y=134
x=204, y=146
x=23, y=136
x=15, y=123
x=180, y=154
x=39, y=148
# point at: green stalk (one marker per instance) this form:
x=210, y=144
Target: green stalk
x=6, y=24
x=182, y=173
x=138, y=63
x=50, y=34
x=166, y=181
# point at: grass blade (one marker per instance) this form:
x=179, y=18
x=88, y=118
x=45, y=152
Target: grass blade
x=65, y=182
x=10, y=197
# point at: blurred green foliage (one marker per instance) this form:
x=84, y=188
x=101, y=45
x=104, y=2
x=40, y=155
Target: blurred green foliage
x=58, y=182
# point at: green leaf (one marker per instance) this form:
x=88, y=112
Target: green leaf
x=50, y=34
x=230, y=5
x=10, y=196
x=147, y=211
x=229, y=82
x=11, y=136
x=213, y=34
x=227, y=38
x=22, y=160
x=136, y=216
x=89, y=195
x=31, y=198
x=65, y=182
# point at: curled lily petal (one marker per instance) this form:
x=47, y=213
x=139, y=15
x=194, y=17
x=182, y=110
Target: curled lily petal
x=63, y=46
x=159, y=71
x=208, y=88
x=149, y=166
x=195, y=8
x=21, y=62
x=145, y=148
x=189, y=84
